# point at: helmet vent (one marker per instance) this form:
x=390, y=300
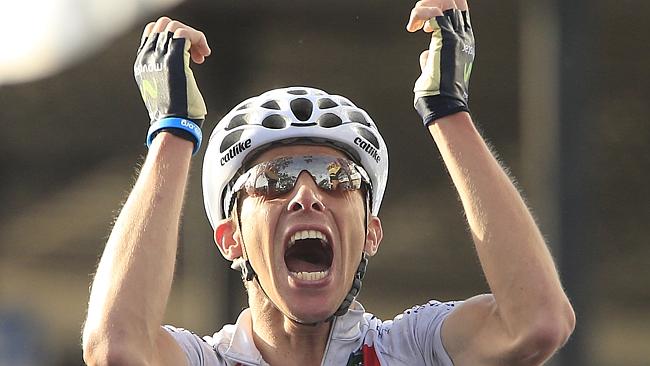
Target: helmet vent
x=245, y=106
x=328, y=120
x=325, y=103
x=358, y=117
x=274, y=121
x=297, y=92
x=236, y=121
x=301, y=108
x=368, y=136
x=231, y=139
x=271, y=104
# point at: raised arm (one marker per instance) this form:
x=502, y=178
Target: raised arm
x=132, y=284
x=527, y=317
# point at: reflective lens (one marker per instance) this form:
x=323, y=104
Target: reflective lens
x=274, y=178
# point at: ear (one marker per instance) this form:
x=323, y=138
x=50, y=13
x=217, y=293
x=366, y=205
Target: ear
x=226, y=237
x=374, y=235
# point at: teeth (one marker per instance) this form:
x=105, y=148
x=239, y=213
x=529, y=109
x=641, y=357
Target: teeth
x=310, y=276
x=306, y=234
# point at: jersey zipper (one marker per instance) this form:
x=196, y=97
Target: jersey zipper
x=329, y=341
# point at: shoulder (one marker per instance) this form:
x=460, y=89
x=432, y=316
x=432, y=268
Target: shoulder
x=221, y=337
x=202, y=350
x=412, y=337
x=424, y=315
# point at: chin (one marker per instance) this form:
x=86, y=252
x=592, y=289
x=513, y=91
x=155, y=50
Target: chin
x=312, y=310
x=311, y=317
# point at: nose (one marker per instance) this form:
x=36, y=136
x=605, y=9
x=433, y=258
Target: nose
x=306, y=195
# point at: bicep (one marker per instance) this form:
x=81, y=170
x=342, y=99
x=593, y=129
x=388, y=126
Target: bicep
x=474, y=333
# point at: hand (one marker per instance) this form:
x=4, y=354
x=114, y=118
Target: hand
x=166, y=82
x=442, y=89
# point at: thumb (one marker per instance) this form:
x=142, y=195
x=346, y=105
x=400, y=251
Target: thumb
x=423, y=59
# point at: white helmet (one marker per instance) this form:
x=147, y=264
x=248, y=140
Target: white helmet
x=284, y=116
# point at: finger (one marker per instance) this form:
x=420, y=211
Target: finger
x=199, y=49
x=419, y=15
x=196, y=37
x=448, y=4
x=424, y=56
x=461, y=5
x=160, y=25
x=429, y=3
x=187, y=34
x=146, y=31
x=173, y=25
x=442, y=4
x=427, y=27
x=197, y=57
x=193, y=35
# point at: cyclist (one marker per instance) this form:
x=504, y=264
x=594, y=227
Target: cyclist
x=293, y=180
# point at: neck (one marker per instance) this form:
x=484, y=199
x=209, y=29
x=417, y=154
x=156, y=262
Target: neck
x=282, y=341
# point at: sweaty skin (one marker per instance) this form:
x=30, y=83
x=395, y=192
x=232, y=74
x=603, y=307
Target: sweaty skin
x=523, y=321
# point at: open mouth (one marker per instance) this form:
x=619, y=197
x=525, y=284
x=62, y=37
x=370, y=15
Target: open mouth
x=308, y=255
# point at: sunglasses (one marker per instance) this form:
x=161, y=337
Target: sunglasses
x=274, y=178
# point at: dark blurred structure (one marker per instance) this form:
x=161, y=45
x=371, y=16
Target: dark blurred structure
x=71, y=142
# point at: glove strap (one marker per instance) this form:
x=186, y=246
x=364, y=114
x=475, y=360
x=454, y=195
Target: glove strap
x=433, y=107
x=180, y=127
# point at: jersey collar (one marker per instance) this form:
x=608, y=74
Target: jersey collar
x=242, y=347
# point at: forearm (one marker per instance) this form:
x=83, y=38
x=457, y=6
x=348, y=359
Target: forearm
x=133, y=280
x=516, y=262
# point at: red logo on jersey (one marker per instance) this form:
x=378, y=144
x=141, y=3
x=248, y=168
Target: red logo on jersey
x=365, y=356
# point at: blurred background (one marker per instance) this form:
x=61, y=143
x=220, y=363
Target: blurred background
x=560, y=90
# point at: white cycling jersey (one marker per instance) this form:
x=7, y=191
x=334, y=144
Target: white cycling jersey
x=356, y=338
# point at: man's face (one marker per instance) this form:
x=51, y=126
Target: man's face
x=306, y=244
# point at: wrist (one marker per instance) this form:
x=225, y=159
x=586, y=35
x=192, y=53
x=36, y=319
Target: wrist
x=434, y=107
x=167, y=139
x=180, y=127
x=457, y=124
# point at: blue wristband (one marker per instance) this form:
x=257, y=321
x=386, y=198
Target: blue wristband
x=179, y=123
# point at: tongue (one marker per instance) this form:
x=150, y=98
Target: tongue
x=307, y=255
x=295, y=264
